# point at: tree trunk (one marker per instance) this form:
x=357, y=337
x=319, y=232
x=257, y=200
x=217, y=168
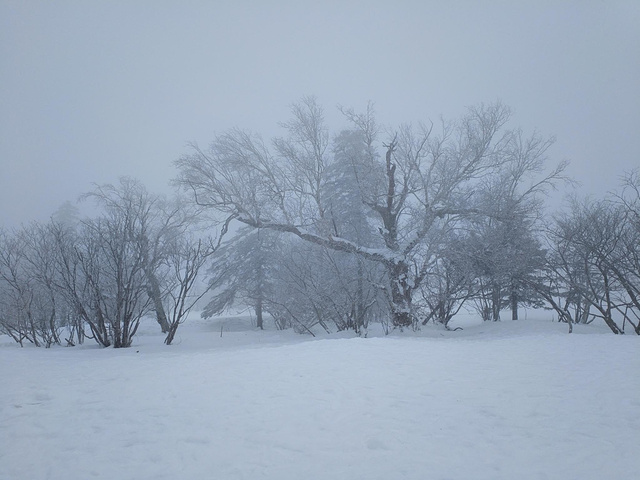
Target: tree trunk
x=611, y=323
x=401, y=315
x=258, y=309
x=586, y=311
x=171, y=333
x=360, y=308
x=156, y=297
x=495, y=303
x=259, y=293
x=514, y=303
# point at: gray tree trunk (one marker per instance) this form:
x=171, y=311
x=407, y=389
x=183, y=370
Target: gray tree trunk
x=495, y=303
x=401, y=315
x=514, y=303
x=260, y=294
x=156, y=297
x=258, y=309
x=360, y=308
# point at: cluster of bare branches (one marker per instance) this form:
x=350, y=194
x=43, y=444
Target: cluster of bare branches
x=96, y=278
x=593, y=264
x=389, y=199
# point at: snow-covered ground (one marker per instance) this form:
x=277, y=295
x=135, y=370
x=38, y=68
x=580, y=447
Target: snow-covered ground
x=510, y=400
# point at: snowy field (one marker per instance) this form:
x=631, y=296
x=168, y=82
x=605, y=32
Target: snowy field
x=512, y=400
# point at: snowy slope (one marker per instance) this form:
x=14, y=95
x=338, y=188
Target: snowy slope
x=514, y=400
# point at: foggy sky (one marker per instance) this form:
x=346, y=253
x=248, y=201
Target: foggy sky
x=90, y=91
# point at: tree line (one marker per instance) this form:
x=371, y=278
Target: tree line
x=401, y=227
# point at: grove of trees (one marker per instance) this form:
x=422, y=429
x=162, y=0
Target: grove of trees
x=334, y=231
x=69, y=279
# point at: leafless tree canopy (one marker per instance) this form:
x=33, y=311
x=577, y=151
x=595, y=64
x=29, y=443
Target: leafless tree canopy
x=399, y=226
x=409, y=184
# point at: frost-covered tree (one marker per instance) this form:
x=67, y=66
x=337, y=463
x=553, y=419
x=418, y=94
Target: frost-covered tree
x=594, y=252
x=419, y=178
x=97, y=277
x=591, y=268
x=297, y=283
x=315, y=286
x=506, y=256
x=242, y=273
x=351, y=219
x=156, y=223
x=627, y=269
x=450, y=280
x=507, y=251
x=113, y=270
x=30, y=307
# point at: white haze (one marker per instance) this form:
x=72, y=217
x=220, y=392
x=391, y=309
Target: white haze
x=95, y=90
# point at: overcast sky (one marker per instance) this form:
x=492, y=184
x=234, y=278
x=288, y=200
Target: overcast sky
x=92, y=90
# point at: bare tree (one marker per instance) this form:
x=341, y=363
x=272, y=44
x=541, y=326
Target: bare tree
x=16, y=316
x=627, y=264
x=31, y=306
x=77, y=258
x=423, y=178
x=158, y=223
x=185, y=261
x=450, y=282
x=101, y=273
x=113, y=267
x=588, y=247
x=507, y=250
x=96, y=278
